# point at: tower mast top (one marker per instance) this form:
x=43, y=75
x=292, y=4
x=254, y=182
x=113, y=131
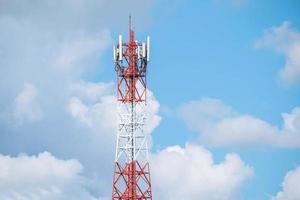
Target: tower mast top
x=129, y=25
x=131, y=32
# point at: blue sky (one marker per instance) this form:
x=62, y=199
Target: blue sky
x=225, y=74
x=206, y=48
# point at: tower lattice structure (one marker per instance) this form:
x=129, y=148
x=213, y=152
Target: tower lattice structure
x=131, y=179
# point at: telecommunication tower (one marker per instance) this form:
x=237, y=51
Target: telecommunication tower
x=131, y=179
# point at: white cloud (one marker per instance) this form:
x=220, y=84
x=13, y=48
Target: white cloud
x=286, y=41
x=152, y=109
x=101, y=115
x=41, y=177
x=94, y=105
x=290, y=186
x=205, y=113
x=26, y=106
x=91, y=92
x=190, y=173
x=219, y=125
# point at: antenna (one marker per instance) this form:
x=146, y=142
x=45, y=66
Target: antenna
x=129, y=25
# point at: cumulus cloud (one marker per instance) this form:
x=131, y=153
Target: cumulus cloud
x=220, y=125
x=286, y=41
x=290, y=186
x=152, y=109
x=26, y=106
x=190, y=173
x=41, y=177
x=95, y=105
x=98, y=115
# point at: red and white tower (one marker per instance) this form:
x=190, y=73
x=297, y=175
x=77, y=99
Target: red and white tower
x=131, y=179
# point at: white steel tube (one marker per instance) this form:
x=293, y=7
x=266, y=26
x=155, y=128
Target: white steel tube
x=148, y=48
x=144, y=50
x=114, y=49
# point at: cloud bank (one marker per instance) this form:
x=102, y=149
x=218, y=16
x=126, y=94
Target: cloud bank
x=190, y=173
x=41, y=177
x=220, y=125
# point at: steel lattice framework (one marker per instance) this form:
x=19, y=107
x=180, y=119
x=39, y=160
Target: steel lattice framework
x=131, y=179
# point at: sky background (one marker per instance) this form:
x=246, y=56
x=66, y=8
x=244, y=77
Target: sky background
x=224, y=107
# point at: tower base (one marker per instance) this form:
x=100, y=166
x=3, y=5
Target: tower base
x=131, y=182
